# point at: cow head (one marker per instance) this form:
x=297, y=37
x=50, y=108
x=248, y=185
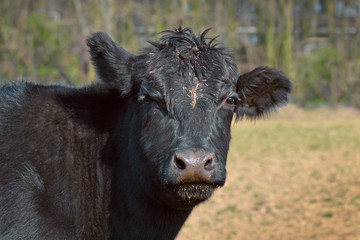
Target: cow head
x=181, y=94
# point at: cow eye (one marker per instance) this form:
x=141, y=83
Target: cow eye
x=147, y=99
x=230, y=100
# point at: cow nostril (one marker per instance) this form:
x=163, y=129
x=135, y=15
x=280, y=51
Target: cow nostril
x=209, y=163
x=180, y=163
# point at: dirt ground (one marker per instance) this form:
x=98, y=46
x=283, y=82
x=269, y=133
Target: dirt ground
x=294, y=176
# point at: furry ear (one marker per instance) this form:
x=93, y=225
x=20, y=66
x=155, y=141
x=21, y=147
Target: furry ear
x=112, y=62
x=261, y=91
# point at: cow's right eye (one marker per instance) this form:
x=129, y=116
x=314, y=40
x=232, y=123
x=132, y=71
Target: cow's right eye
x=147, y=99
x=153, y=102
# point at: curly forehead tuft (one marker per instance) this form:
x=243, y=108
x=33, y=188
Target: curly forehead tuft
x=185, y=37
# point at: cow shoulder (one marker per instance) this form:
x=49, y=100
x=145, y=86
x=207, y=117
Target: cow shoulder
x=50, y=150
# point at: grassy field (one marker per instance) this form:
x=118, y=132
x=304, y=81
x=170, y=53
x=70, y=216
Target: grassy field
x=293, y=176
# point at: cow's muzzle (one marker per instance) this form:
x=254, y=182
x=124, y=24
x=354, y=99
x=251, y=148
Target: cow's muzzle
x=193, y=176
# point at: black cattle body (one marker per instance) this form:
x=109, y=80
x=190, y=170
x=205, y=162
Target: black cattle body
x=129, y=156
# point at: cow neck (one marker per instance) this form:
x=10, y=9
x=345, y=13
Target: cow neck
x=134, y=213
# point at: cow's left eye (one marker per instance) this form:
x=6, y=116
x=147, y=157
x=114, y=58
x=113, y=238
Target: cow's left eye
x=230, y=100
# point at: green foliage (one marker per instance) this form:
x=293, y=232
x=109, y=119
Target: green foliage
x=44, y=40
x=319, y=78
x=314, y=74
x=45, y=46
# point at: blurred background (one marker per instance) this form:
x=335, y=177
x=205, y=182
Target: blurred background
x=293, y=176
x=316, y=42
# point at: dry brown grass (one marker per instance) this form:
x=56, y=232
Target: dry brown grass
x=294, y=176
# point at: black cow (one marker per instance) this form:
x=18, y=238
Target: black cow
x=130, y=156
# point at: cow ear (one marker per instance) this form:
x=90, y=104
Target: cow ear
x=112, y=62
x=261, y=92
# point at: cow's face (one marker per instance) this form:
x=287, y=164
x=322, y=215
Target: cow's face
x=186, y=92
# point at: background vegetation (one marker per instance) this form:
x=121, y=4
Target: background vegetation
x=316, y=42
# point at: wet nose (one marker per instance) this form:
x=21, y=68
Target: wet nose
x=194, y=165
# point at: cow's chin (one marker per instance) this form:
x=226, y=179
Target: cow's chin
x=187, y=196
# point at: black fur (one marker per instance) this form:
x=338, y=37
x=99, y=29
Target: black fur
x=95, y=162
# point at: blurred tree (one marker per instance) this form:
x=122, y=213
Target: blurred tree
x=270, y=35
x=286, y=10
